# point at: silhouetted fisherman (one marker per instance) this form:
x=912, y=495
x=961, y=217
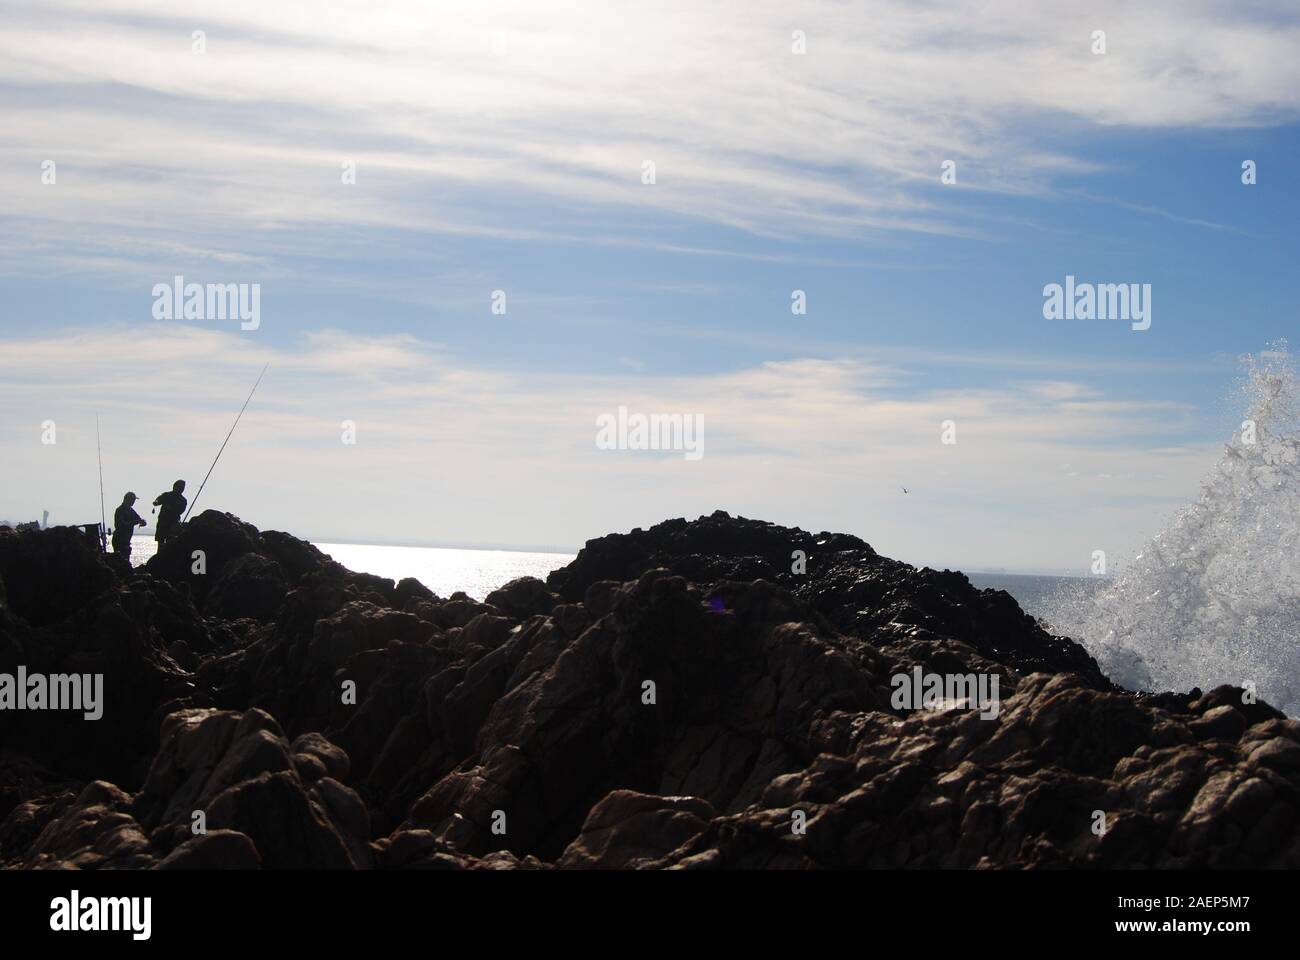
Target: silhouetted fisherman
x=125, y=520
x=173, y=508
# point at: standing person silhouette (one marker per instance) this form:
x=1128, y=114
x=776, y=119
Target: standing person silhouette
x=125, y=520
x=173, y=508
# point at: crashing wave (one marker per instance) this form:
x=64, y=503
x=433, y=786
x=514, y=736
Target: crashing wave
x=1215, y=598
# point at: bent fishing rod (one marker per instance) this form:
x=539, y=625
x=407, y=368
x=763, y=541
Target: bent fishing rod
x=223, y=444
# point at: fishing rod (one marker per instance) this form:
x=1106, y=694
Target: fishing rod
x=223, y=444
x=103, y=515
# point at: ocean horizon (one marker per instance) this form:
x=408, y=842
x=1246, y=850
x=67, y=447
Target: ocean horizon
x=477, y=572
x=444, y=570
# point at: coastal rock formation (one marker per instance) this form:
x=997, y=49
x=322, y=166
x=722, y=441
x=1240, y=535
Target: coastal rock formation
x=860, y=592
x=715, y=693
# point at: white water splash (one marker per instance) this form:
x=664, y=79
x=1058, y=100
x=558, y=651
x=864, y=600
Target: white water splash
x=1215, y=598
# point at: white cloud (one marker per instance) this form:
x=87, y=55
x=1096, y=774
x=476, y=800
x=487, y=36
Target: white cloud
x=247, y=139
x=452, y=453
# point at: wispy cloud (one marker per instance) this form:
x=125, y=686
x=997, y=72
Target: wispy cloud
x=458, y=113
x=450, y=451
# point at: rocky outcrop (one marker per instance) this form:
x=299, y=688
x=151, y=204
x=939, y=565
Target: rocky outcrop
x=842, y=578
x=47, y=573
x=696, y=695
x=628, y=829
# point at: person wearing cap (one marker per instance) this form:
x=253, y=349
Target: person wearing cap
x=125, y=520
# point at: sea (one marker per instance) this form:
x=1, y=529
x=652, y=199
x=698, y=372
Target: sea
x=1037, y=595
x=445, y=570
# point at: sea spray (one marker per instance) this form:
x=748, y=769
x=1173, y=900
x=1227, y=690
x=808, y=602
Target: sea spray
x=1215, y=598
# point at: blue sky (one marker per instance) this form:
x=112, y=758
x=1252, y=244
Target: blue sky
x=500, y=146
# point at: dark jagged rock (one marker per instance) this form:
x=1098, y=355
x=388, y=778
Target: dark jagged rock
x=196, y=557
x=712, y=548
x=628, y=829
x=116, y=636
x=216, y=850
x=251, y=586
x=522, y=598
x=49, y=574
x=842, y=578
x=692, y=696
